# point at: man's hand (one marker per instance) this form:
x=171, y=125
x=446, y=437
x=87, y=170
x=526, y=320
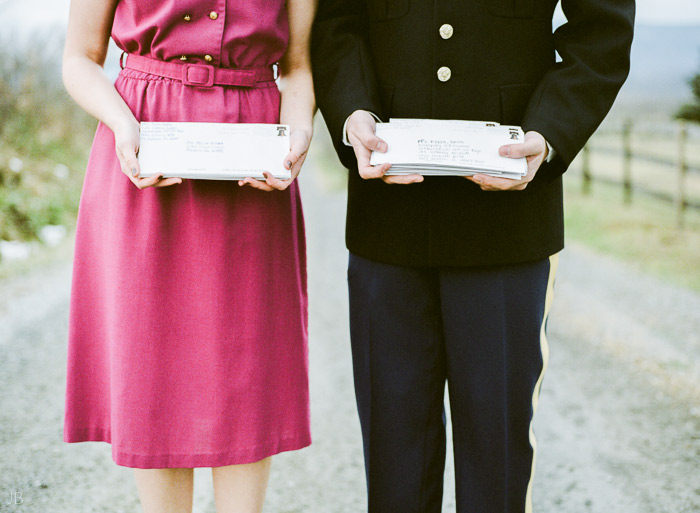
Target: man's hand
x=534, y=148
x=361, y=134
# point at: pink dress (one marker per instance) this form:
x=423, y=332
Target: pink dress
x=188, y=326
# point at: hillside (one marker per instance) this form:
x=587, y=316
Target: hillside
x=663, y=60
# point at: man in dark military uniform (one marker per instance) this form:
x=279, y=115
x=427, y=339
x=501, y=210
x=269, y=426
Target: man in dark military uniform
x=451, y=278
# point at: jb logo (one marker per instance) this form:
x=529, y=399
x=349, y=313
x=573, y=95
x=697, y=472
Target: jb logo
x=15, y=497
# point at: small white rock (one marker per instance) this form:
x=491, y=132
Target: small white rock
x=14, y=250
x=15, y=165
x=61, y=171
x=52, y=234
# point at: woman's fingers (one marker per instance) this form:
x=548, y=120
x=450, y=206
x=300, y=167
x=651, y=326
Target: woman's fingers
x=165, y=182
x=127, y=149
x=292, y=158
x=154, y=181
x=299, y=147
x=271, y=183
x=123, y=164
x=296, y=168
x=275, y=183
x=142, y=183
x=256, y=184
x=127, y=158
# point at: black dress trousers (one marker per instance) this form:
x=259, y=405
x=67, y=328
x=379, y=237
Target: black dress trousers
x=481, y=330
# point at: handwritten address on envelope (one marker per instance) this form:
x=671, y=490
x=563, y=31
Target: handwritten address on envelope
x=213, y=151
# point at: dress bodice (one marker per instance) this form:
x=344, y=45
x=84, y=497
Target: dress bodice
x=224, y=33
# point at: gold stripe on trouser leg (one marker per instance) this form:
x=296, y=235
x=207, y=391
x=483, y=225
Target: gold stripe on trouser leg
x=553, y=263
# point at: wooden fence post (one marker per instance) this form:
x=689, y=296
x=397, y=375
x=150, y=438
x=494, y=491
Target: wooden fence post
x=627, y=161
x=682, y=172
x=586, y=165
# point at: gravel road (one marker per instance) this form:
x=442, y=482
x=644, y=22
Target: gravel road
x=618, y=426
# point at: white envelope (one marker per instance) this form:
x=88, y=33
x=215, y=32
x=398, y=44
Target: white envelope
x=213, y=151
x=449, y=147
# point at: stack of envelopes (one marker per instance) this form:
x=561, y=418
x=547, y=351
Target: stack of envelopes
x=433, y=147
x=214, y=151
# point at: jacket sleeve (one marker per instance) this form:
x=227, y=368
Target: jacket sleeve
x=343, y=71
x=574, y=97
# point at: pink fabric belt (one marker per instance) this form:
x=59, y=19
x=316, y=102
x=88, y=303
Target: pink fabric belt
x=199, y=75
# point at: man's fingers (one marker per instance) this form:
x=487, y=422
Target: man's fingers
x=367, y=138
x=403, y=179
x=373, y=172
x=492, y=183
x=518, y=151
x=374, y=143
x=362, y=155
x=369, y=172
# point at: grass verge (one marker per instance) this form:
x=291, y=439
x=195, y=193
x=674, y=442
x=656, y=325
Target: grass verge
x=643, y=234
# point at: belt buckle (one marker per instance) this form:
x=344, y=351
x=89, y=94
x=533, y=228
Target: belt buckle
x=196, y=81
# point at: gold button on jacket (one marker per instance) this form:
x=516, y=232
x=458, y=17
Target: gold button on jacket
x=208, y=58
x=213, y=15
x=444, y=74
x=446, y=31
x=187, y=17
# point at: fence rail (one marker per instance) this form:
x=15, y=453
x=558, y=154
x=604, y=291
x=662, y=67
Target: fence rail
x=652, y=159
x=679, y=198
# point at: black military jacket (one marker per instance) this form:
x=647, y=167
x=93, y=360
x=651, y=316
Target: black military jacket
x=486, y=60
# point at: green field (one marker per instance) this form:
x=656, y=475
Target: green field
x=643, y=234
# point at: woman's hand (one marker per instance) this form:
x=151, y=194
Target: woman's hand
x=297, y=104
x=89, y=27
x=127, y=140
x=299, y=141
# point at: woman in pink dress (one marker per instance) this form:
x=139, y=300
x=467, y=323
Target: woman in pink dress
x=188, y=327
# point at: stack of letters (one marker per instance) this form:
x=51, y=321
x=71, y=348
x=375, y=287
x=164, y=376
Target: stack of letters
x=214, y=151
x=433, y=147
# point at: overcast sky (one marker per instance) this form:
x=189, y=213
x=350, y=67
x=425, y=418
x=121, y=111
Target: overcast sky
x=48, y=12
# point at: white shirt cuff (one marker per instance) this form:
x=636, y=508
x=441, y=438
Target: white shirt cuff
x=345, y=128
x=551, y=151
